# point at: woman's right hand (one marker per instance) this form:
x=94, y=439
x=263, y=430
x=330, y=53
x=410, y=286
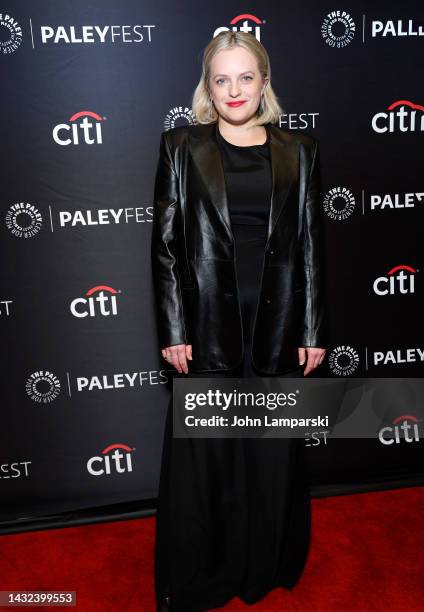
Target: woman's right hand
x=177, y=355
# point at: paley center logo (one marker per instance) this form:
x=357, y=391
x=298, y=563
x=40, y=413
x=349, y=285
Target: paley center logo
x=343, y=360
x=179, y=113
x=246, y=22
x=114, y=459
x=99, y=300
x=43, y=386
x=400, y=116
x=23, y=220
x=398, y=280
x=83, y=127
x=339, y=203
x=338, y=29
x=10, y=34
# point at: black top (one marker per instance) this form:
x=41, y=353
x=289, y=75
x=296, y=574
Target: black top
x=248, y=180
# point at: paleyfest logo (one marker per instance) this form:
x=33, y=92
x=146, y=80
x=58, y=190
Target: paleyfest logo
x=83, y=127
x=10, y=34
x=400, y=116
x=246, y=22
x=338, y=29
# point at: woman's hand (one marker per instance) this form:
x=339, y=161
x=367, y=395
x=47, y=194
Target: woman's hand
x=177, y=356
x=315, y=358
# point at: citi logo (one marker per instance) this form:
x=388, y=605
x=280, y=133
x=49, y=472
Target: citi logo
x=401, y=116
x=83, y=127
x=100, y=300
x=404, y=428
x=241, y=24
x=114, y=459
x=400, y=279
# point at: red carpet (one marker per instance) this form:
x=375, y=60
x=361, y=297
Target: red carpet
x=367, y=553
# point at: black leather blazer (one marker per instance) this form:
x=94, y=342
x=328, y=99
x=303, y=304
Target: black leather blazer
x=192, y=253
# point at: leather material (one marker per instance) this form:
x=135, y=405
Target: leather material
x=193, y=253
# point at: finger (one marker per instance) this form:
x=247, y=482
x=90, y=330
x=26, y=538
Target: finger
x=309, y=364
x=182, y=359
x=301, y=353
x=315, y=362
x=174, y=359
x=189, y=351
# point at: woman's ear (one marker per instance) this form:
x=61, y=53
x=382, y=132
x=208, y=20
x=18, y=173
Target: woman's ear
x=266, y=81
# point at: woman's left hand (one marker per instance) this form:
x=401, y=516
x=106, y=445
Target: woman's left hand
x=315, y=357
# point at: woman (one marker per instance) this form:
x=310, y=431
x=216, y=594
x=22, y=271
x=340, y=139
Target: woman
x=238, y=279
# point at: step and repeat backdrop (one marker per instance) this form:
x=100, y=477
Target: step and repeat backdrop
x=86, y=90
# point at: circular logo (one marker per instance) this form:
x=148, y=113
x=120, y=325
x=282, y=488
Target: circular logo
x=339, y=203
x=338, y=29
x=43, y=387
x=180, y=115
x=10, y=34
x=343, y=361
x=23, y=220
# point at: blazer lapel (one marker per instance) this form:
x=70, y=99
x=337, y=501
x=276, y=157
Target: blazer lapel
x=206, y=155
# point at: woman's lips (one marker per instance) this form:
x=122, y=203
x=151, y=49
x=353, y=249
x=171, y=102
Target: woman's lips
x=236, y=103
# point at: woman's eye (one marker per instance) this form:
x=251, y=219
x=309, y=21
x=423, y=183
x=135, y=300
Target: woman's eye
x=246, y=76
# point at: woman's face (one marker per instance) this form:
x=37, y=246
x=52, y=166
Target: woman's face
x=235, y=78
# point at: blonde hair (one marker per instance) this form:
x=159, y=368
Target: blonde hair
x=202, y=105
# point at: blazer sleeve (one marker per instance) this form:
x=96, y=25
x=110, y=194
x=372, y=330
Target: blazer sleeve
x=314, y=332
x=164, y=262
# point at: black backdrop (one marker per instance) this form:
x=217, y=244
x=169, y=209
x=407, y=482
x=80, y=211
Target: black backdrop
x=86, y=89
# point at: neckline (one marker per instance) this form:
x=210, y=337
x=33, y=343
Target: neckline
x=243, y=146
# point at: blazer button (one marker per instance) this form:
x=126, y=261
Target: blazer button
x=271, y=252
x=268, y=301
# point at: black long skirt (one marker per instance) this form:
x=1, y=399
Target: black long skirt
x=233, y=516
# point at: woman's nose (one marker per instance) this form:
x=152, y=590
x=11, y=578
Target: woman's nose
x=234, y=89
